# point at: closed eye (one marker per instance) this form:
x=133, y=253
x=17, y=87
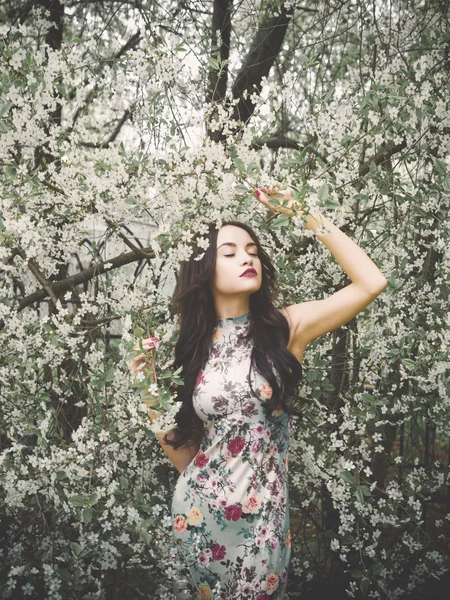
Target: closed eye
x=233, y=254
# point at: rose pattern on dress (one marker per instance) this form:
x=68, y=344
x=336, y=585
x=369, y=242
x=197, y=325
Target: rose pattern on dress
x=230, y=508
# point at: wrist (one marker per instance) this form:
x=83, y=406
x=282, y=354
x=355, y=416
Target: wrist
x=314, y=220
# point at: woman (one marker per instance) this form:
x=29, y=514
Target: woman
x=241, y=366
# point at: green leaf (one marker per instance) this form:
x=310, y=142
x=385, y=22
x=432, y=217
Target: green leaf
x=331, y=203
x=365, y=490
x=356, y=574
x=330, y=534
x=241, y=189
x=77, y=500
x=76, y=548
x=409, y=363
x=347, y=477
x=145, y=536
x=365, y=584
x=213, y=62
x=441, y=167
x=359, y=495
x=253, y=170
x=4, y=109
x=92, y=497
x=87, y=514
x=281, y=221
x=64, y=575
x=322, y=192
x=239, y=164
x=138, y=332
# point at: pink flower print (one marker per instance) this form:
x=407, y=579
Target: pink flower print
x=200, y=378
x=263, y=532
x=180, y=524
x=266, y=390
x=266, y=435
x=273, y=543
x=233, y=512
x=236, y=445
x=218, y=552
x=255, y=446
x=262, y=597
x=258, y=431
x=271, y=583
x=251, y=504
x=203, y=560
x=201, y=460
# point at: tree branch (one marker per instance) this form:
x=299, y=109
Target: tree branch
x=382, y=156
x=126, y=115
x=221, y=20
x=58, y=287
x=264, y=50
x=128, y=242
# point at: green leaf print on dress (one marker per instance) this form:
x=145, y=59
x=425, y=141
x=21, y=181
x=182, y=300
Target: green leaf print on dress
x=230, y=508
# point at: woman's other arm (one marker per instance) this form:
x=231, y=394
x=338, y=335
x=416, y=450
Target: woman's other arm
x=181, y=457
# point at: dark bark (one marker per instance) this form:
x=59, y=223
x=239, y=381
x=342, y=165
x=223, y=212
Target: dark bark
x=53, y=39
x=217, y=84
x=61, y=286
x=263, y=53
x=221, y=21
x=382, y=156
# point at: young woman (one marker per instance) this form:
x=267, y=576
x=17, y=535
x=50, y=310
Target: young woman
x=241, y=367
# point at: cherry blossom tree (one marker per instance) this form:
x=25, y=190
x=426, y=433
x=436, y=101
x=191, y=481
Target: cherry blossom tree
x=125, y=128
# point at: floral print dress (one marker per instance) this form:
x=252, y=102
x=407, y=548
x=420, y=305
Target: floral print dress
x=230, y=508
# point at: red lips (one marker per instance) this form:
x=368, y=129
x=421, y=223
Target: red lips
x=248, y=271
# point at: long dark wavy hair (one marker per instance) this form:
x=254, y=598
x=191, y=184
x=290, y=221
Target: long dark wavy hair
x=269, y=330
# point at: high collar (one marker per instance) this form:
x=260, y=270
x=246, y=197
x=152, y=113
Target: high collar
x=227, y=323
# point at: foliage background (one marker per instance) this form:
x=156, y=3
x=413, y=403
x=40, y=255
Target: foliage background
x=125, y=127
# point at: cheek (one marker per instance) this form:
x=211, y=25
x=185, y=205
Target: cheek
x=221, y=272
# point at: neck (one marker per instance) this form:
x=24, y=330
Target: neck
x=231, y=310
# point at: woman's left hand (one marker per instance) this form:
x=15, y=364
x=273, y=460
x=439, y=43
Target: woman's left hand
x=264, y=194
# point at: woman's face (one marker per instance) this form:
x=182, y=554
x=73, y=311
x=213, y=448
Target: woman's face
x=236, y=252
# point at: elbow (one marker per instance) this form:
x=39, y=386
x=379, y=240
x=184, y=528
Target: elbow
x=379, y=286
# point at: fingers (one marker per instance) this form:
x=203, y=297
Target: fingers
x=147, y=343
x=263, y=198
x=139, y=362
x=270, y=190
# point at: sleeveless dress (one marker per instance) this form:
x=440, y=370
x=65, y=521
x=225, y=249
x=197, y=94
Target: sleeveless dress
x=230, y=508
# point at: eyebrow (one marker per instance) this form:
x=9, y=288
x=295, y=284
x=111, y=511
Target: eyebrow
x=234, y=245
